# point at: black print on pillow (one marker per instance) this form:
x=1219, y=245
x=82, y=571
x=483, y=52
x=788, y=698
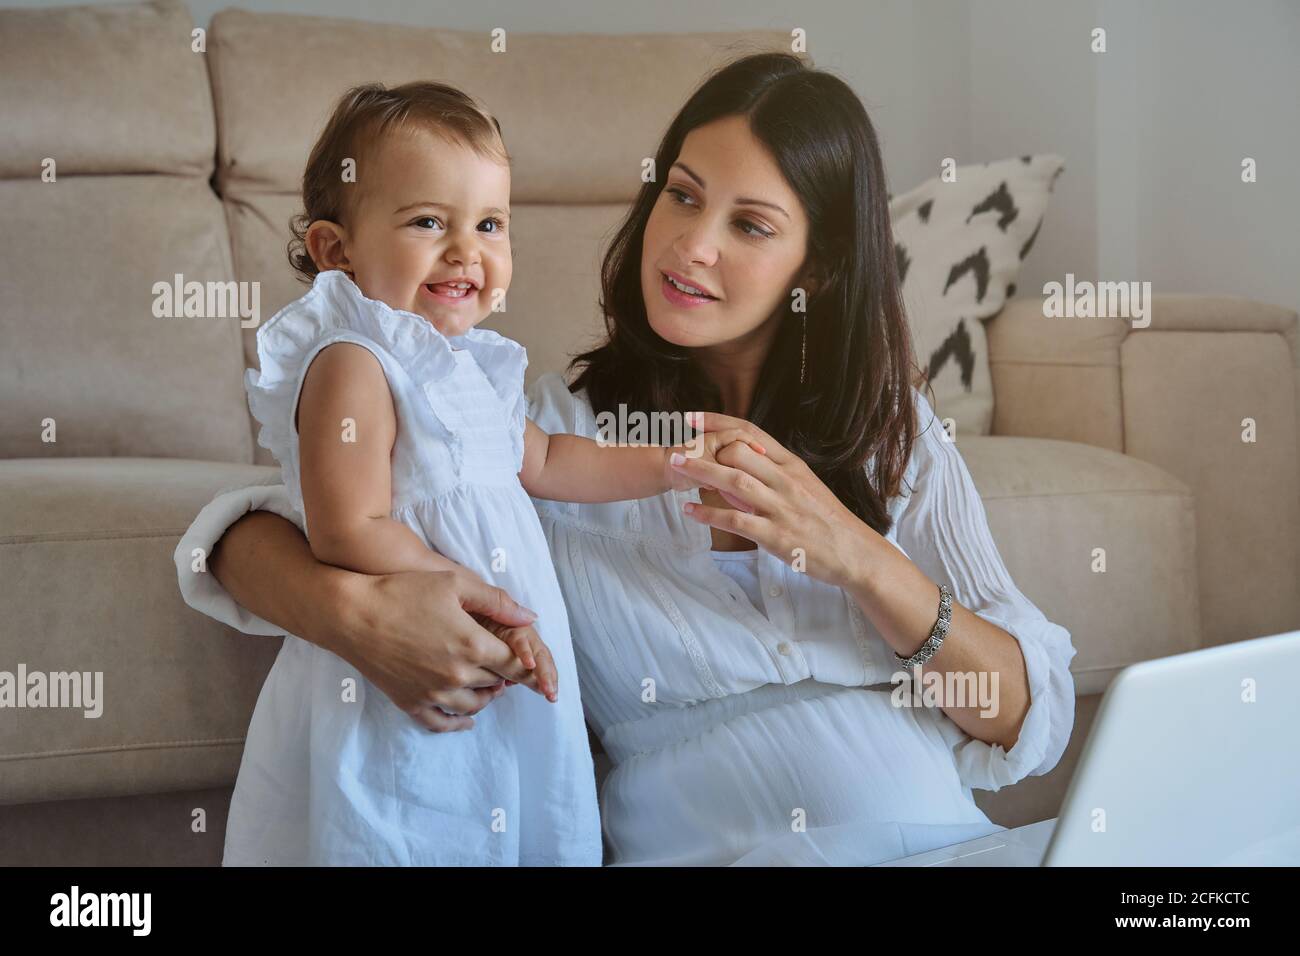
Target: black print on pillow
x=923, y=210
x=956, y=347
x=900, y=254
x=979, y=265
x=999, y=200
x=1029, y=243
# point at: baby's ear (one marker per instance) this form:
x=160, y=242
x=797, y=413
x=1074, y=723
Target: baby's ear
x=325, y=244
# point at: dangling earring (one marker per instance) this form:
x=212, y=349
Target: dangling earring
x=803, y=350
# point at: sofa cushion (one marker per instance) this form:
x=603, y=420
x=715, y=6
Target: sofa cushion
x=959, y=246
x=89, y=585
x=129, y=205
x=104, y=89
x=1051, y=505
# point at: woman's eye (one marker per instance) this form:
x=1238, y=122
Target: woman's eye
x=758, y=231
x=679, y=196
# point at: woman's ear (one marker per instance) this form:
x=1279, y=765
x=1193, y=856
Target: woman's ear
x=812, y=280
x=325, y=243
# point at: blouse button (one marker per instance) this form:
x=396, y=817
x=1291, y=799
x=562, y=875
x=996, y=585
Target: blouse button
x=784, y=648
x=774, y=591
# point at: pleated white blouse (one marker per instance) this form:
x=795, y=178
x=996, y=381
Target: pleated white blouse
x=747, y=732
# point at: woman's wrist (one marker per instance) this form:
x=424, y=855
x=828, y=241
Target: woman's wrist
x=856, y=558
x=341, y=610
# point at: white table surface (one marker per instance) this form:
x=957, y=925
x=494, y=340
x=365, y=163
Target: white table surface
x=1022, y=846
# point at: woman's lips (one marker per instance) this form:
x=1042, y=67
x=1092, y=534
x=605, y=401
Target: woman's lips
x=676, y=296
x=470, y=294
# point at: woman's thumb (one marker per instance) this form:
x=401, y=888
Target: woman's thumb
x=479, y=597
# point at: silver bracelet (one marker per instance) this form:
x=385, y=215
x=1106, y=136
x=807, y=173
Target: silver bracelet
x=928, y=649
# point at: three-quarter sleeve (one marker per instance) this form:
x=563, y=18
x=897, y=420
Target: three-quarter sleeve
x=945, y=532
x=199, y=587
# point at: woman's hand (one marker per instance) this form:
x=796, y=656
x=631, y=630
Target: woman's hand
x=417, y=636
x=706, y=448
x=779, y=503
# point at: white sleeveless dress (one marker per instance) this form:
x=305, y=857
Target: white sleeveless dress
x=333, y=777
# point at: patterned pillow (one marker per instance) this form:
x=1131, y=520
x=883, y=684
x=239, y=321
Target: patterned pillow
x=959, y=246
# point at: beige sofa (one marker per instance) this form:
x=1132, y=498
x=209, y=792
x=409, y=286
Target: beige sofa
x=168, y=160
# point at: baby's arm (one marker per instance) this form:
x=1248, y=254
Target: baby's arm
x=347, y=485
x=572, y=468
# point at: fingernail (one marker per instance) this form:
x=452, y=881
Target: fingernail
x=689, y=507
x=676, y=458
x=532, y=615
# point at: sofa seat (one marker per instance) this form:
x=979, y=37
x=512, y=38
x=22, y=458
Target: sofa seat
x=86, y=545
x=88, y=585
x=1103, y=543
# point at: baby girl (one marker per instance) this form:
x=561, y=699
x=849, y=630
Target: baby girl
x=402, y=435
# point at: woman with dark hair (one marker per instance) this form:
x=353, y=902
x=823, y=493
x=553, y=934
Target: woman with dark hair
x=736, y=644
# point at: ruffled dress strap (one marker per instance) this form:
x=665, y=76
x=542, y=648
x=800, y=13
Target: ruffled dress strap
x=335, y=310
x=503, y=361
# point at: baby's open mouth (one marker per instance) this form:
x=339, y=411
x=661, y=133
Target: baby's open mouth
x=451, y=290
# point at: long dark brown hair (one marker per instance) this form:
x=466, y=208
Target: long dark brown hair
x=855, y=402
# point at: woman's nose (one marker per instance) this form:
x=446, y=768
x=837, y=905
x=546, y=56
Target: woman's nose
x=696, y=244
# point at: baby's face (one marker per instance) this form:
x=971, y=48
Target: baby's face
x=432, y=211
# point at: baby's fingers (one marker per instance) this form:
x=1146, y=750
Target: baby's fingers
x=546, y=671
x=519, y=641
x=536, y=656
x=725, y=437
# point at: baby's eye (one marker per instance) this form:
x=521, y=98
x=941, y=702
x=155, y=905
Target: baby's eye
x=497, y=224
x=425, y=219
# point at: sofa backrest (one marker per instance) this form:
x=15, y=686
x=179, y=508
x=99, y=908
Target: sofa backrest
x=105, y=163
x=276, y=78
x=154, y=139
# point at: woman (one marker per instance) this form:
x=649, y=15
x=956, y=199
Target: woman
x=735, y=645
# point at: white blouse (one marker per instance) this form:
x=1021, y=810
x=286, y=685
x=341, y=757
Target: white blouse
x=742, y=567
x=748, y=733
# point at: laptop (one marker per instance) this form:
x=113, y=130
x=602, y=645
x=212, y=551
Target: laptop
x=1193, y=760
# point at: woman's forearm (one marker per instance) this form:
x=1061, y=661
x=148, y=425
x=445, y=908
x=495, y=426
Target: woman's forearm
x=903, y=604
x=265, y=563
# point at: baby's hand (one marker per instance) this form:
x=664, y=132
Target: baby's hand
x=531, y=652
x=706, y=447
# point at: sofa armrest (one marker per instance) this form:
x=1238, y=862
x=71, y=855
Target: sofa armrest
x=1209, y=391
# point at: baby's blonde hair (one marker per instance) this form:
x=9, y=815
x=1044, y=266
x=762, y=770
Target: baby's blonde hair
x=362, y=117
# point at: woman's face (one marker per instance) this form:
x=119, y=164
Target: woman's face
x=727, y=224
